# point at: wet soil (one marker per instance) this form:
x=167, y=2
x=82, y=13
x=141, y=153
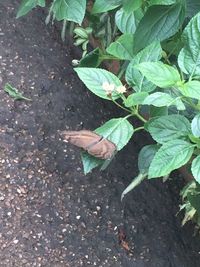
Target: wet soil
x=51, y=215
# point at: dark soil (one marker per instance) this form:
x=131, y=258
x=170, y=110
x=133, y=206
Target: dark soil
x=51, y=215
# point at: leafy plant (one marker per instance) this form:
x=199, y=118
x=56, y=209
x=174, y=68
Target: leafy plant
x=157, y=46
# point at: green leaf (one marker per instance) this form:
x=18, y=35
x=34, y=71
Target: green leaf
x=162, y=2
x=90, y=162
x=104, y=5
x=195, y=125
x=119, y=131
x=171, y=156
x=179, y=104
x=94, y=78
x=196, y=168
x=159, y=99
x=194, y=200
x=92, y=59
x=159, y=23
x=130, y=6
x=135, y=99
x=146, y=156
x=28, y=5
x=160, y=74
x=170, y=127
x=158, y=112
x=134, y=77
x=127, y=22
x=122, y=48
x=189, y=57
x=72, y=10
x=192, y=7
x=191, y=89
x=136, y=181
x=13, y=92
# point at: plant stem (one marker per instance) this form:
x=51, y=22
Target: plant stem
x=191, y=104
x=116, y=103
x=138, y=129
x=140, y=117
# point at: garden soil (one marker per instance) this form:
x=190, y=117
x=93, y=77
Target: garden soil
x=51, y=215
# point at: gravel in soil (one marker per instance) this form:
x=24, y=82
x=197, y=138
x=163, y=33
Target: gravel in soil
x=51, y=214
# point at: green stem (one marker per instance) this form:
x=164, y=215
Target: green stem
x=138, y=129
x=140, y=117
x=116, y=103
x=191, y=104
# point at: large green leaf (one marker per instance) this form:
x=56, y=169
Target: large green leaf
x=104, y=5
x=73, y=10
x=134, y=77
x=196, y=168
x=160, y=74
x=195, y=125
x=158, y=111
x=122, y=48
x=159, y=23
x=94, y=78
x=127, y=22
x=119, y=131
x=28, y=5
x=171, y=156
x=167, y=128
x=159, y=99
x=130, y=6
x=189, y=57
x=192, y=7
x=146, y=156
x=191, y=89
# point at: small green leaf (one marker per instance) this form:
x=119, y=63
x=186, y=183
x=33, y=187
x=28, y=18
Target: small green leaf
x=135, y=99
x=170, y=127
x=196, y=168
x=134, y=77
x=191, y=89
x=160, y=74
x=159, y=23
x=90, y=162
x=189, y=57
x=122, y=48
x=92, y=59
x=13, y=92
x=104, y=5
x=179, y=104
x=27, y=5
x=94, y=78
x=171, y=156
x=159, y=99
x=72, y=10
x=195, y=125
x=119, y=131
x=136, y=181
x=146, y=156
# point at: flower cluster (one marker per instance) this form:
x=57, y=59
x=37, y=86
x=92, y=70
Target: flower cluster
x=110, y=88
